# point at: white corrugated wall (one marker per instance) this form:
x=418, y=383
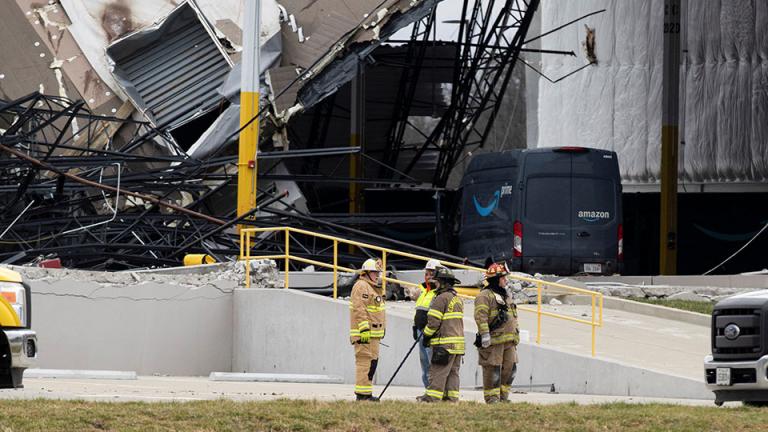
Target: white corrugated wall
x=616, y=104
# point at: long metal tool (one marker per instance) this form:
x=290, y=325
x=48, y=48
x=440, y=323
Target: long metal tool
x=418, y=339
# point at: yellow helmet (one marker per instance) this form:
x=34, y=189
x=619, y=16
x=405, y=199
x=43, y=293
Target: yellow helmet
x=371, y=265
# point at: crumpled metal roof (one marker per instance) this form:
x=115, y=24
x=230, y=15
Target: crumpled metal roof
x=326, y=39
x=171, y=71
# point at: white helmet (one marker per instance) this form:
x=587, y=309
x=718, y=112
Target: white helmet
x=432, y=264
x=371, y=265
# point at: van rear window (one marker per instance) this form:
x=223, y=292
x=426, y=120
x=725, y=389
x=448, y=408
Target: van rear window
x=547, y=200
x=594, y=201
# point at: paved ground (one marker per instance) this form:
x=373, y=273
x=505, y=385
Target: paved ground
x=663, y=345
x=180, y=389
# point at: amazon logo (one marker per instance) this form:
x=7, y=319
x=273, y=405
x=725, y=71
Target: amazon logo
x=486, y=210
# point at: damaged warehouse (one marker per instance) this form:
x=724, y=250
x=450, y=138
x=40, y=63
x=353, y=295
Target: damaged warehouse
x=125, y=155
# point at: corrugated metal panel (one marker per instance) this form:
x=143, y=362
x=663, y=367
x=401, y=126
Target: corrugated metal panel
x=177, y=74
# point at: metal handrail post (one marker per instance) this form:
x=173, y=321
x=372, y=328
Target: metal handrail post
x=287, y=255
x=538, y=312
x=593, y=326
x=335, y=268
x=601, y=309
x=384, y=272
x=247, y=260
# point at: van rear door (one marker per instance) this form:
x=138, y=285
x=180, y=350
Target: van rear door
x=546, y=225
x=595, y=212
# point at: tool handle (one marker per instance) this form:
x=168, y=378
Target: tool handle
x=401, y=364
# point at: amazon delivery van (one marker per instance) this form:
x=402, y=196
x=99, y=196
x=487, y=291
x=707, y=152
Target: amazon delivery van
x=550, y=210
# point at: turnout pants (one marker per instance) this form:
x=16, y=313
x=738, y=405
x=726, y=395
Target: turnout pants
x=366, y=359
x=444, y=379
x=499, y=364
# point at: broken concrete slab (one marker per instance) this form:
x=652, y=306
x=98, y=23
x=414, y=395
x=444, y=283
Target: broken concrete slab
x=688, y=296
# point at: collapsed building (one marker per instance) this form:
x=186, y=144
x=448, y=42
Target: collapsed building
x=119, y=121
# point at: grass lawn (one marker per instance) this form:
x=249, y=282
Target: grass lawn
x=286, y=415
x=689, y=305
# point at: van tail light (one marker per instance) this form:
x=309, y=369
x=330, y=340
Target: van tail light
x=517, y=229
x=621, y=243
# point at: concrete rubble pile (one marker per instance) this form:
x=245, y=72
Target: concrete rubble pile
x=701, y=294
x=225, y=277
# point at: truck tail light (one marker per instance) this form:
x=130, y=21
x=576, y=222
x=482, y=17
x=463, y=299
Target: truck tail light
x=620, y=256
x=517, y=229
x=14, y=294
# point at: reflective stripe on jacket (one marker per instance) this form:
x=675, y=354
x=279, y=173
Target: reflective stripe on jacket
x=445, y=322
x=487, y=309
x=366, y=310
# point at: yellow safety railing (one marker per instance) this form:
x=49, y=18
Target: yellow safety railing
x=247, y=234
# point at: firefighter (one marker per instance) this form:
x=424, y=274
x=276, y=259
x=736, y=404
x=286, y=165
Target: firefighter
x=367, y=323
x=498, y=335
x=445, y=334
x=420, y=317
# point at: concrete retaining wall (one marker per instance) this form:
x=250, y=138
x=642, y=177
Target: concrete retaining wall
x=151, y=327
x=285, y=331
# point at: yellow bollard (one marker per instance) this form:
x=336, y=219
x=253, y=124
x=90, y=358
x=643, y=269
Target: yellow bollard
x=198, y=259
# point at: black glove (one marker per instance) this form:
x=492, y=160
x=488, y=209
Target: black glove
x=415, y=332
x=425, y=341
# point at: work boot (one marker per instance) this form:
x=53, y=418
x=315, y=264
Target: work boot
x=425, y=398
x=368, y=398
x=492, y=400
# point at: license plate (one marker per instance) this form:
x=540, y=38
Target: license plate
x=593, y=268
x=723, y=376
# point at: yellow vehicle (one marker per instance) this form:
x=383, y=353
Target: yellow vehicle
x=18, y=343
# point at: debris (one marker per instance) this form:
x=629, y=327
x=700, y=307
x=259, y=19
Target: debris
x=50, y=263
x=688, y=296
x=589, y=44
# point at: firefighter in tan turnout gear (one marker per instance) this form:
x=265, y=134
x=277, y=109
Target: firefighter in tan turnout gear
x=445, y=334
x=498, y=335
x=367, y=323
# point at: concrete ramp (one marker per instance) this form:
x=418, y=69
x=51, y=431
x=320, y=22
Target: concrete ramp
x=286, y=331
